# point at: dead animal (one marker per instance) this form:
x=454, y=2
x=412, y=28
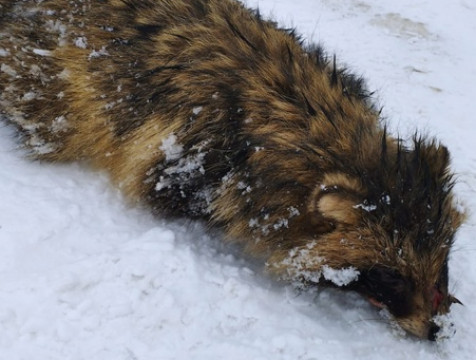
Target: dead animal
x=203, y=109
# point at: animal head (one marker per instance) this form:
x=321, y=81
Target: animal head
x=395, y=224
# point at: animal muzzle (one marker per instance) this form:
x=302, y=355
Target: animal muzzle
x=416, y=325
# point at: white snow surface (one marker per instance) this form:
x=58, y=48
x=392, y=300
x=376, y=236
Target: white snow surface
x=85, y=275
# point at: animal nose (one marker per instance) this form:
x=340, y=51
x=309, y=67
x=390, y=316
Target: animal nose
x=434, y=329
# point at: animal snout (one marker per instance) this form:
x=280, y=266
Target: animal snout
x=433, y=331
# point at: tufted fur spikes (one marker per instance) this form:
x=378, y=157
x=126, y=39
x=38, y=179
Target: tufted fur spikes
x=413, y=190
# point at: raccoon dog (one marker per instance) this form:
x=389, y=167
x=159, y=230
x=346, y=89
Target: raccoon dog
x=202, y=109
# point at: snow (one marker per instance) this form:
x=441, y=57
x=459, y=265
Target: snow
x=197, y=110
x=86, y=276
x=41, y=52
x=340, y=277
x=366, y=207
x=171, y=149
x=99, y=53
x=299, y=261
x=7, y=69
x=81, y=42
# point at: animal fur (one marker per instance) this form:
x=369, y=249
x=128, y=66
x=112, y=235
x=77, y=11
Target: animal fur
x=201, y=108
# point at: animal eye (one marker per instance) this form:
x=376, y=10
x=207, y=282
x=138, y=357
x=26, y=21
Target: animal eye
x=388, y=287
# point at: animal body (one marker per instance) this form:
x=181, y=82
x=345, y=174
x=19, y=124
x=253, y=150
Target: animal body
x=202, y=109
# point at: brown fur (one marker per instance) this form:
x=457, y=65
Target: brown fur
x=201, y=108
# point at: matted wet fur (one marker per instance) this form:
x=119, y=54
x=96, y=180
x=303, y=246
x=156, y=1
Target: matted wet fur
x=201, y=108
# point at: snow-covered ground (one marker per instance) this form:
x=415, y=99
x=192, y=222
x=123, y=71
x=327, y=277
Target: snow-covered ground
x=83, y=275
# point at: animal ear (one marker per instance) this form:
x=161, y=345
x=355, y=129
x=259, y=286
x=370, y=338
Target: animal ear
x=338, y=207
x=335, y=200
